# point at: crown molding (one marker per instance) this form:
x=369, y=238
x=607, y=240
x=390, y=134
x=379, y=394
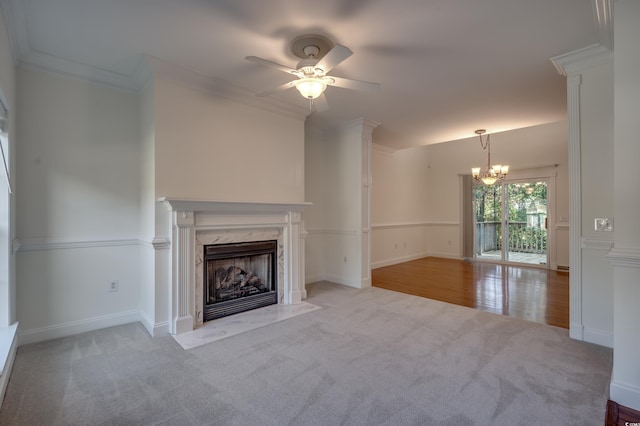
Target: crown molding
x=383, y=149
x=15, y=19
x=603, y=17
x=217, y=87
x=15, y=15
x=581, y=59
x=596, y=54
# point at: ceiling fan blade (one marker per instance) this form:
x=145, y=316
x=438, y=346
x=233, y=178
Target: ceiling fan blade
x=284, y=86
x=333, y=57
x=347, y=83
x=271, y=64
x=320, y=103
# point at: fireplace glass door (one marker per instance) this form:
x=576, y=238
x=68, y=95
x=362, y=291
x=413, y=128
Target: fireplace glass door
x=239, y=277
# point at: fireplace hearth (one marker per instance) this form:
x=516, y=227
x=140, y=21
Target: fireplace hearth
x=239, y=277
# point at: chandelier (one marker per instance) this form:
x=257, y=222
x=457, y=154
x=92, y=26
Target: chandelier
x=493, y=173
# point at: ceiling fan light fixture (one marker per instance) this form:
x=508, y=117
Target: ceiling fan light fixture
x=310, y=88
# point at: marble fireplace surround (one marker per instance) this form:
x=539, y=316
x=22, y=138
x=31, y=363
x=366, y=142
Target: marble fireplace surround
x=197, y=223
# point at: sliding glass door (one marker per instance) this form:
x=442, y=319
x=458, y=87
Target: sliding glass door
x=511, y=222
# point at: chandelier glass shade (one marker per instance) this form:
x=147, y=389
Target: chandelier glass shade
x=494, y=172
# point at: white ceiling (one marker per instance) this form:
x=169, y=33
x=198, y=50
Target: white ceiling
x=446, y=67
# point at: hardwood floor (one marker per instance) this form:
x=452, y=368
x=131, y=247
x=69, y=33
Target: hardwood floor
x=532, y=294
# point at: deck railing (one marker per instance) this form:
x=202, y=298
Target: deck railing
x=522, y=238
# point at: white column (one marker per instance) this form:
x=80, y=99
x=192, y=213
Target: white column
x=576, y=328
x=301, y=269
x=184, y=274
x=293, y=280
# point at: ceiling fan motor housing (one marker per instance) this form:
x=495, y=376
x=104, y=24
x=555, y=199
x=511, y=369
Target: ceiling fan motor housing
x=307, y=45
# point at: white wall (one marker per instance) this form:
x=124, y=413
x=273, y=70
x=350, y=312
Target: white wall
x=417, y=192
x=625, y=255
x=77, y=197
x=212, y=148
x=204, y=146
x=147, y=213
x=399, y=205
x=333, y=184
x=597, y=195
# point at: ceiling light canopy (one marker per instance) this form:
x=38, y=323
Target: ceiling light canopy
x=492, y=173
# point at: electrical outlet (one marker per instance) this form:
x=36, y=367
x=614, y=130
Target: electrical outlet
x=113, y=286
x=603, y=224
x=345, y=259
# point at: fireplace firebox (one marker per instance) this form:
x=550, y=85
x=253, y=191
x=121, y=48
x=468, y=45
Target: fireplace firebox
x=239, y=277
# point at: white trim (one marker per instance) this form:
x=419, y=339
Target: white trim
x=157, y=243
x=597, y=336
x=76, y=327
x=597, y=243
x=581, y=59
x=562, y=226
x=8, y=349
x=575, y=208
x=603, y=14
x=396, y=260
x=576, y=331
x=39, y=244
x=220, y=88
x=7, y=336
x=15, y=18
x=193, y=219
x=230, y=207
x=357, y=283
x=383, y=149
x=349, y=232
x=624, y=257
x=411, y=225
x=444, y=255
x=154, y=329
x=625, y=394
x=53, y=64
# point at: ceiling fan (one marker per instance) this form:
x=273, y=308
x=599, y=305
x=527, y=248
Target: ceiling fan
x=319, y=56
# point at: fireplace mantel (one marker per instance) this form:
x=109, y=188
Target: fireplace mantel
x=231, y=221
x=226, y=207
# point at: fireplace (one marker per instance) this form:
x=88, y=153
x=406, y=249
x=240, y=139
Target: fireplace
x=239, y=277
x=197, y=224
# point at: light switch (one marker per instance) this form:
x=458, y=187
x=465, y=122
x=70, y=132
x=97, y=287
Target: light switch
x=603, y=224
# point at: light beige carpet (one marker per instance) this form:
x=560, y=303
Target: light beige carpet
x=368, y=357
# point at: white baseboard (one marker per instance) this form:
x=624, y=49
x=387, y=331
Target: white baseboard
x=396, y=260
x=599, y=337
x=76, y=327
x=313, y=279
x=625, y=394
x=154, y=329
x=576, y=331
x=9, y=346
x=591, y=335
x=445, y=255
x=334, y=279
